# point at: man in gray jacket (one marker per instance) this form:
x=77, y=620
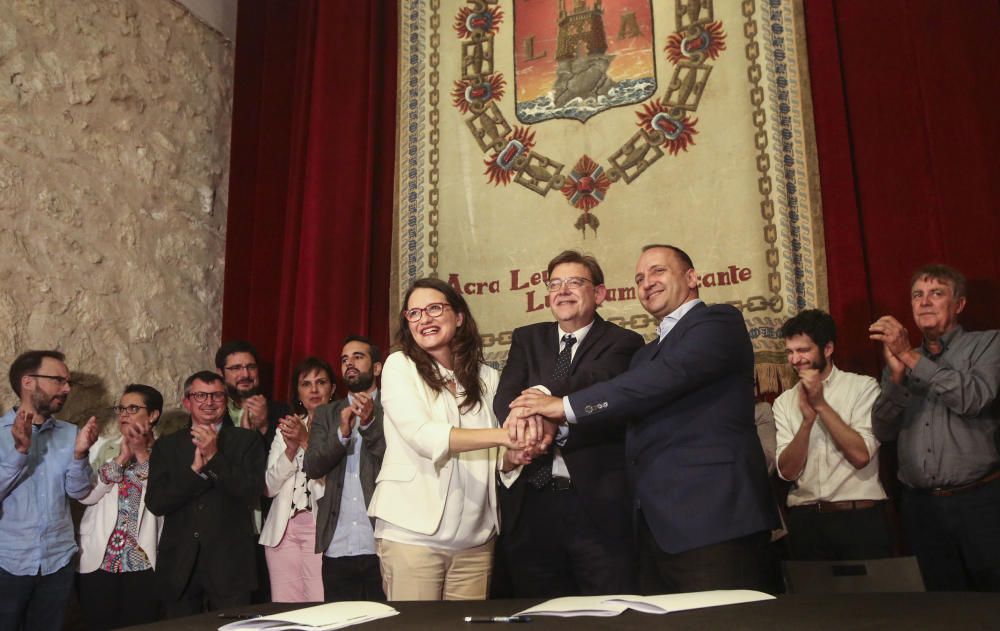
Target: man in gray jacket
x=346, y=446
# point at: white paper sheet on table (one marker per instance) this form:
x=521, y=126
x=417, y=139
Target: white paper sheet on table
x=319, y=618
x=612, y=605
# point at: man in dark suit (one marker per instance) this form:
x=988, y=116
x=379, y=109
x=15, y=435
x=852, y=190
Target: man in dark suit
x=346, y=445
x=701, y=496
x=578, y=488
x=204, y=481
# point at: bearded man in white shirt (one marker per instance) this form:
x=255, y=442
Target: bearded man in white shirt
x=826, y=448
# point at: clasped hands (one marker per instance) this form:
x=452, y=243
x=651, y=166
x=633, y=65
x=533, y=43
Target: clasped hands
x=531, y=426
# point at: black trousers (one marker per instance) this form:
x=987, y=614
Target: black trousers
x=956, y=539
x=111, y=601
x=736, y=564
x=197, y=598
x=555, y=549
x=352, y=578
x=850, y=535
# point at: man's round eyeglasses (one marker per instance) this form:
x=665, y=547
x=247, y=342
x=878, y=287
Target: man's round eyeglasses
x=241, y=368
x=573, y=282
x=128, y=410
x=201, y=397
x=62, y=381
x=433, y=310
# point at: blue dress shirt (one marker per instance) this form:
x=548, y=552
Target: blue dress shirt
x=354, y=534
x=36, y=530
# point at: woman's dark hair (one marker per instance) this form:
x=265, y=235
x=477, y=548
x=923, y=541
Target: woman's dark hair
x=151, y=397
x=304, y=367
x=466, y=346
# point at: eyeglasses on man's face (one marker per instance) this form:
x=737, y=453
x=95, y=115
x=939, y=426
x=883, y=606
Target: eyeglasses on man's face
x=434, y=310
x=62, y=381
x=251, y=368
x=128, y=410
x=201, y=397
x=573, y=282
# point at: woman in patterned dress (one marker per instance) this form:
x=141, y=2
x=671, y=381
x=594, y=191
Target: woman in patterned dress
x=118, y=535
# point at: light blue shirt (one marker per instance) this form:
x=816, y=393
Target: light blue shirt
x=666, y=325
x=353, y=535
x=36, y=530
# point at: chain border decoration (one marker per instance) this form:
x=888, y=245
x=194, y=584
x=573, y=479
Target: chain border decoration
x=411, y=251
x=765, y=185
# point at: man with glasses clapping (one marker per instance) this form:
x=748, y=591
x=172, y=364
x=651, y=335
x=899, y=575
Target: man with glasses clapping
x=43, y=462
x=204, y=481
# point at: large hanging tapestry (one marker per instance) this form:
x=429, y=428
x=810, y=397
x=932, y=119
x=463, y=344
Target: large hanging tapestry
x=527, y=127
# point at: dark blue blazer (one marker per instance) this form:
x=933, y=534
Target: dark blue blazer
x=694, y=460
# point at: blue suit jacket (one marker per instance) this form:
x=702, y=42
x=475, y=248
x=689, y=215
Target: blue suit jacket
x=693, y=457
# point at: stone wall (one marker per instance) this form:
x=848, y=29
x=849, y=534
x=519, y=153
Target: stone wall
x=114, y=166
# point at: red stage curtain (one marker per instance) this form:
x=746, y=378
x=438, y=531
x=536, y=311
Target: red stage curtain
x=904, y=100
x=905, y=96
x=311, y=185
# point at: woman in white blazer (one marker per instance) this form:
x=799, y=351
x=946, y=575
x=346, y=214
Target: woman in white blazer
x=435, y=500
x=289, y=535
x=118, y=534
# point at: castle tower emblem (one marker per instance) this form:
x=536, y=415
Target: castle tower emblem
x=565, y=65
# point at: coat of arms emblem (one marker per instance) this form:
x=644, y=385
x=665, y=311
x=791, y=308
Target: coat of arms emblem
x=577, y=58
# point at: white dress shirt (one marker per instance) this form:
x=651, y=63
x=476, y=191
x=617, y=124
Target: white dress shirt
x=827, y=475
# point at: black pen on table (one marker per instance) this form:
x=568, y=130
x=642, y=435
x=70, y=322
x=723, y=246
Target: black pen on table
x=497, y=619
x=239, y=616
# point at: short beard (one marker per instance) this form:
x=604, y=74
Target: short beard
x=362, y=383
x=820, y=364
x=238, y=397
x=44, y=407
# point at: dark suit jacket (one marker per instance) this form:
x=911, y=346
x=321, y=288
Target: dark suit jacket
x=327, y=457
x=276, y=411
x=594, y=453
x=210, y=517
x=693, y=455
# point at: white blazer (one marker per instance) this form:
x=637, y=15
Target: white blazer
x=101, y=516
x=279, y=480
x=417, y=468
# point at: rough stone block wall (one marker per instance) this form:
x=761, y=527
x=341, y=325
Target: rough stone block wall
x=114, y=165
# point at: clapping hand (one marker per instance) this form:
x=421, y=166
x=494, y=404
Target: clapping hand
x=295, y=433
x=206, y=443
x=895, y=341
x=85, y=438
x=363, y=406
x=255, y=413
x=808, y=411
x=811, y=383
x=21, y=430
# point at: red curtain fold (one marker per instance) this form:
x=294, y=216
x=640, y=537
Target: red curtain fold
x=904, y=100
x=904, y=97
x=310, y=208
